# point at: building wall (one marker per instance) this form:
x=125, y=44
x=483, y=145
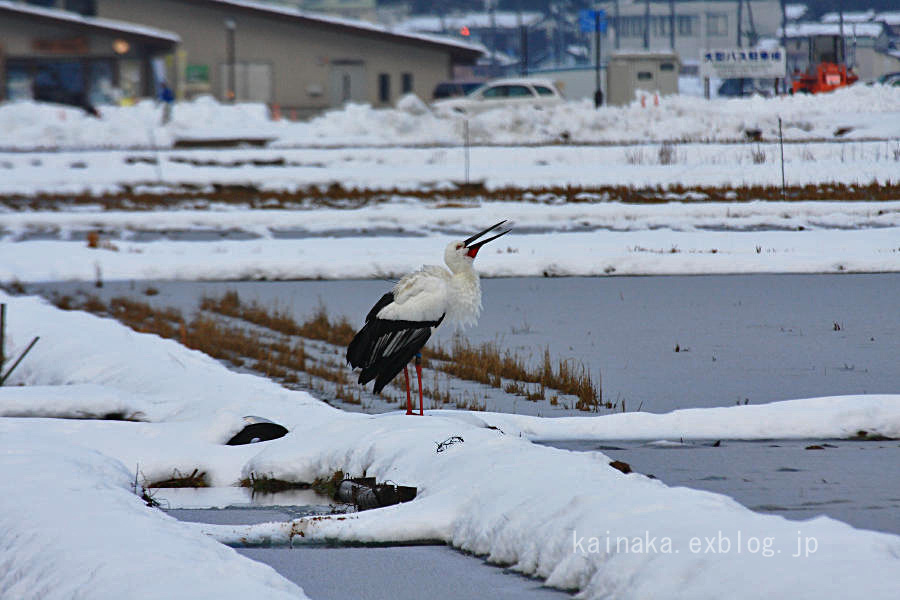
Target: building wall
x=626, y=74
x=306, y=62
x=698, y=26
x=29, y=45
x=871, y=64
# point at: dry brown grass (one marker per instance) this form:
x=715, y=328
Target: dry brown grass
x=282, y=359
x=265, y=484
x=197, y=479
x=489, y=365
x=335, y=195
x=319, y=327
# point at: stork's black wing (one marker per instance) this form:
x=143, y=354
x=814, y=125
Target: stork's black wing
x=383, y=346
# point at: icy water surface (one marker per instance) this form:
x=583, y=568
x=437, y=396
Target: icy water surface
x=740, y=338
x=367, y=573
x=854, y=482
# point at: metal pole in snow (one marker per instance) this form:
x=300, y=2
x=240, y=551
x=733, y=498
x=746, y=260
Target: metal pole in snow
x=3, y=378
x=781, y=143
x=466, y=144
x=2, y=334
x=596, y=51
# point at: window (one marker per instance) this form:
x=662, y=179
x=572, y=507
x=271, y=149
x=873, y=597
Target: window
x=384, y=87
x=543, y=90
x=632, y=26
x=716, y=24
x=685, y=24
x=644, y=75
x=498, y=91
x=667, y=67
x=660, y=26
x=519, y=91
x=406, y=83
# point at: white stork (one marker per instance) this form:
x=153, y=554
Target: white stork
x=402, y=321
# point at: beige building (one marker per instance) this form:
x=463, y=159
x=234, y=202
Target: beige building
x=652, y=72
x=299, y=61
x=59, y=56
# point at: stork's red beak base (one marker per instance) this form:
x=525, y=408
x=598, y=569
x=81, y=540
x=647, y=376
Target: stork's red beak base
x=474, y=248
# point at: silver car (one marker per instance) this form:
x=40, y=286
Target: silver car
x=504, y=93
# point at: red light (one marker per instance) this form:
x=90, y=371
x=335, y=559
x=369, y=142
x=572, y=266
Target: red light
x=464, y=31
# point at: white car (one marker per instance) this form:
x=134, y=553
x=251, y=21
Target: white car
x=504, y=93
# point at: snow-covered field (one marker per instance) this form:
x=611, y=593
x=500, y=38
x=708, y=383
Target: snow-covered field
x=528, y=168
x=553, y=240
x=859, y=112
x=476, y=495
x=70, y=525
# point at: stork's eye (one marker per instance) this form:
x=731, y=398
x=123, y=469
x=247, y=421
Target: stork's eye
x=458, y=246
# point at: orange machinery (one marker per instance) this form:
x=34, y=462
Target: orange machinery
x=823, y=77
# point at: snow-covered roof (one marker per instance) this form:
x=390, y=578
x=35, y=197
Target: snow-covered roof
x=849, y=17
x=470, y=50
x=473, y=20
x=891, y=18
x=795, y=11
x=869, y=16
x=803, y=30
x=111, y=25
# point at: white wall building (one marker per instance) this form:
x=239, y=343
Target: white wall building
x=698, y=26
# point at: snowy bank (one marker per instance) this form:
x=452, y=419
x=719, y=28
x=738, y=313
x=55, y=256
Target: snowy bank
x=865, y=416
x=861, y=111
x=70, y=527
x=547, y=512
x=595, y=253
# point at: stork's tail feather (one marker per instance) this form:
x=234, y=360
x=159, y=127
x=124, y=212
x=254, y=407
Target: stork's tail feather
x=382, y=348
x=360, y=348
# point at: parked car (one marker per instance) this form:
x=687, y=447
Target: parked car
x=452, y=89
x=739, y=88
x=536, y=93
x=892, y=79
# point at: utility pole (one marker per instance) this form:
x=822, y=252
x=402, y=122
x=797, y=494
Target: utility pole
x=672, y=24
x=784, y=82
x=231, y=92
x=596, y=51
x=617, y=24
x=647, y=25
x=523, y=60
x=740, y=15
x=523, y=32
x=492, y=12
x=843, y=47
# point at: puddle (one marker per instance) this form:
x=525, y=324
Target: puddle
x=848, y=480
x=433, y=572
x=370, y=573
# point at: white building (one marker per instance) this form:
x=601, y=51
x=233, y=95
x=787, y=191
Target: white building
x=697, y=26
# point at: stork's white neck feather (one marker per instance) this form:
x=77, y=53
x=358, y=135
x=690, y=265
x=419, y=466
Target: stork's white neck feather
x=465, y=288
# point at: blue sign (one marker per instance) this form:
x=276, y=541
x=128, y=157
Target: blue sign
x=592, y=20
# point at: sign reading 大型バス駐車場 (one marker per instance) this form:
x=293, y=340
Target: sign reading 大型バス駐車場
x=743, y=62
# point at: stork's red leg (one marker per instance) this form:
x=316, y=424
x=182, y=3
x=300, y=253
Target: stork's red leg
x=409, y=410
x=419, y=377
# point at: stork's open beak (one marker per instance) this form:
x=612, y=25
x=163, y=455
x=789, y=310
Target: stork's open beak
x=474, y=246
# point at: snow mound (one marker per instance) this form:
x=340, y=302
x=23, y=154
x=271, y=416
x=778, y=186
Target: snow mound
x=859, y=112
x=558, y=515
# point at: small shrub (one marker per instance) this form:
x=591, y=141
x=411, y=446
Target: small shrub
x=667, y=154
x=758, y=156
